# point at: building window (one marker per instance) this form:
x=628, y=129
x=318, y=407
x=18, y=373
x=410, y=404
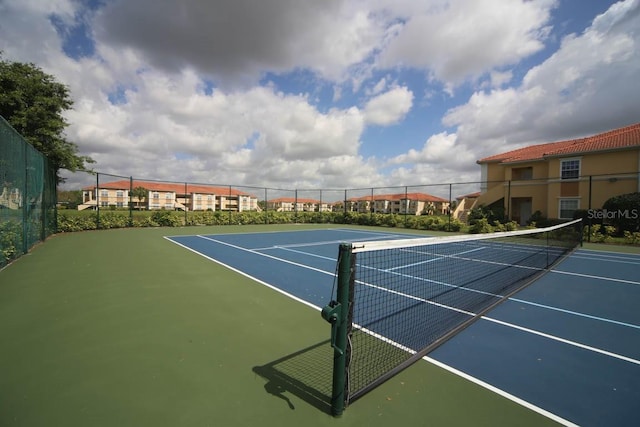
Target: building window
x=568, y=208
x=104, y=193
x=120, y=204
x=570, y=169
x=168, y=196
x=521, y=174
x=156, y=195
x=104, y=204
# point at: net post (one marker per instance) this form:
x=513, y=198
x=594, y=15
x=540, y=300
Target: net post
x=338, y=313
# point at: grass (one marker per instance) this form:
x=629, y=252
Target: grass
x=122, y=327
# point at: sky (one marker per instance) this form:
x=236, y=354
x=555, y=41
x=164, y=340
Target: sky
x=327, y=94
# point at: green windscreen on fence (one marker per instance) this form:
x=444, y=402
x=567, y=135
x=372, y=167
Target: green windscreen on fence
x=28, y=195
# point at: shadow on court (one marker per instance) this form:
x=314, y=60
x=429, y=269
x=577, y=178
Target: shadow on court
x=305, y=374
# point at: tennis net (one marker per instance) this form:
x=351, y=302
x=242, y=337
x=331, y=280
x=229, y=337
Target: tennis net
x=397, y=300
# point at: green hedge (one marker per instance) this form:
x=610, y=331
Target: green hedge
x=69, y=220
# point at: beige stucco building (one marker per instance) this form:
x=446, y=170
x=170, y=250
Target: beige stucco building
x=167, y=196
x=559, y=178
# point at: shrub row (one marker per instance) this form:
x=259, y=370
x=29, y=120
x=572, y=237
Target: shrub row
x=479, y=223
x=10, y=241
x=75, y=221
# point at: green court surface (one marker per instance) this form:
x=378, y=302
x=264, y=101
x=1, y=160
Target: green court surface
x=124, y=328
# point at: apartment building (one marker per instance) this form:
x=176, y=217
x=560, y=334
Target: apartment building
x=558, y=178
x=291, y=204
x=167, y=196
x=400, y=203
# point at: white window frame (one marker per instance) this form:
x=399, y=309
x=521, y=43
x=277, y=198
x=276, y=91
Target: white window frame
x=567, y=199
x=571, y=160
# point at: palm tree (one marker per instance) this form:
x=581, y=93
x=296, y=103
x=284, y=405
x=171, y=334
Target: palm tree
x=139, y=193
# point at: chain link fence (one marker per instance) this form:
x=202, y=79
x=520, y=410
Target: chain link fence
x=99, y=200
x=523, y=201
x=28, y=197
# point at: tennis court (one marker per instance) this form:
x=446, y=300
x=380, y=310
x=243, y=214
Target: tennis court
x=125, y=327
x=567, y=346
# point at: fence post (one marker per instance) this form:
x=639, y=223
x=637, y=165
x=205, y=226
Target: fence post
x=449, y=208
x=25, y=203
x=266, y=207
x=589, y=222
x=97, y=199
x=345, y=202
x=130, y=201
x=508, y=204
x=229, y=208
x=185, y=202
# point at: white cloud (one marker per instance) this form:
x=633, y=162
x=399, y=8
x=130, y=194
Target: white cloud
x=499, y=79
x=588, y=85
x=463, y=39
x=389, y=107
x=236, y=42
x=439, y=150
x=258, y=134
x=186, y=77
x=378, y=87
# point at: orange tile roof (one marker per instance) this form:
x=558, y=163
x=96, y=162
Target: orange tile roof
x=423, y=197
x=169, y=187
x=617, y=139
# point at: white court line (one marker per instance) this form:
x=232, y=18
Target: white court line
x=603, y=253
x=591, y=276
x=303, y=245
x=275, y=288
x=308, y=254
x=430, y=360
x=501, y=392
x=385, y=235
x=297, y=264
x=432, y=260
x=564, y=341
x=614, y=259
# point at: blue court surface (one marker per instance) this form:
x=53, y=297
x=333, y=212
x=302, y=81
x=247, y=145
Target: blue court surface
x=567, y=346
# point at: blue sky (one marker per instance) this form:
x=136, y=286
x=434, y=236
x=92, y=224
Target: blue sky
x=331, y=94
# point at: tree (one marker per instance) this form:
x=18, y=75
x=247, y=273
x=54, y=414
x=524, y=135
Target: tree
x=70, y=199
x=33, y=102
x=623, y=212
x=139, y=193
